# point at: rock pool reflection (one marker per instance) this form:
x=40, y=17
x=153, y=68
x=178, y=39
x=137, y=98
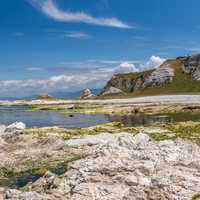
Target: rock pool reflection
x=10, y=114
x=148, y=120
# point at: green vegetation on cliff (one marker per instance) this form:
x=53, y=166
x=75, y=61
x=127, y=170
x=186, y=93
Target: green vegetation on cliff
x=178, y=76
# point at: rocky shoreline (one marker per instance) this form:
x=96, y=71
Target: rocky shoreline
x=120, y=165
x=146, y=100
x=147, y=105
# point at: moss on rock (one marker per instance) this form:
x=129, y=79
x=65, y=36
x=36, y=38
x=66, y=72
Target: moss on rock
x=66, y=134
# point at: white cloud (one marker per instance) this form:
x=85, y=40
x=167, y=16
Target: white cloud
x=126, y=67
x=77, y=35
x=94, y=76
x=100, y=62
x=153, y=62
x=34, y=69
x=65, y=82
x=55, y=33
x=49, y=8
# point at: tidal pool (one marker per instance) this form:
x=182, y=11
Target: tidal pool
x=23, y=179
x=148, y=120
x=10, y=114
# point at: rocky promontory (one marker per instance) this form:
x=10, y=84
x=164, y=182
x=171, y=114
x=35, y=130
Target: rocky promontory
x=180, y=75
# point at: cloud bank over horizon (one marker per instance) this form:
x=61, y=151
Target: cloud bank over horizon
x=75, y=81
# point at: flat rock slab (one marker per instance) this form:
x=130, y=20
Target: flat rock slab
x=92, y=140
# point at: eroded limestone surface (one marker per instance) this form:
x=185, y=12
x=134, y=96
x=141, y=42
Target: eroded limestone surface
x=124, y=167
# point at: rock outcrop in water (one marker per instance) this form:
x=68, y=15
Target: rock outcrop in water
x=87, y=94
x=120, y=167
x=45, y=96
x=177, y=75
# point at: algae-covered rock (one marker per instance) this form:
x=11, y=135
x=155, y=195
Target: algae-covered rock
x=128, y=167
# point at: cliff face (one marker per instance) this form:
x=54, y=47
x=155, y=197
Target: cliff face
x=172, y=76
x=191, y=65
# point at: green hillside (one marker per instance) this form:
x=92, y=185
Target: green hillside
x=182, y=83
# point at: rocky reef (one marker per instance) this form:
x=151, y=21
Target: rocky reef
x=137, y=165
x=119, y=167
x=171, y=76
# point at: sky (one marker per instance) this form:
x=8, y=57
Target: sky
x=70, y=45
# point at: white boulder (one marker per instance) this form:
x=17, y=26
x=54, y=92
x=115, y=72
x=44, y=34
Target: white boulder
x=17, y=126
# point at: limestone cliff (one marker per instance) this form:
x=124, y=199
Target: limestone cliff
x=180, y=75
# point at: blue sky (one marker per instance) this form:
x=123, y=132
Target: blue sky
x=50, y=45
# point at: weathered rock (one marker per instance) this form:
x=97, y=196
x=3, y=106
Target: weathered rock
x=130, y=167
x=91, y=140
x=17, y=126
x=23, y=153
x=12, y=131
x=159, y=77
x=111, y=90
x=15, y=195
x=2, y=193
x=191, y=65
x=87, y=94
x=154, y=78
x=47, y=182
x=2, y=129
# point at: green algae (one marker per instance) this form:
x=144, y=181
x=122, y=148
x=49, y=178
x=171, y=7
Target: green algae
x=66, y=134
x=11, y=177
x=161, y=136
x=185, y=130
x=196, y=197
x=46, y=107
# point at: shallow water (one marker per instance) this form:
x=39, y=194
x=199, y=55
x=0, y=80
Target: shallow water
x=10, y=114
x=22, y=180
x=148, y=120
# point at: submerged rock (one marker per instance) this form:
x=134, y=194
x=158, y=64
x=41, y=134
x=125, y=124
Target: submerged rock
x=128, y=167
